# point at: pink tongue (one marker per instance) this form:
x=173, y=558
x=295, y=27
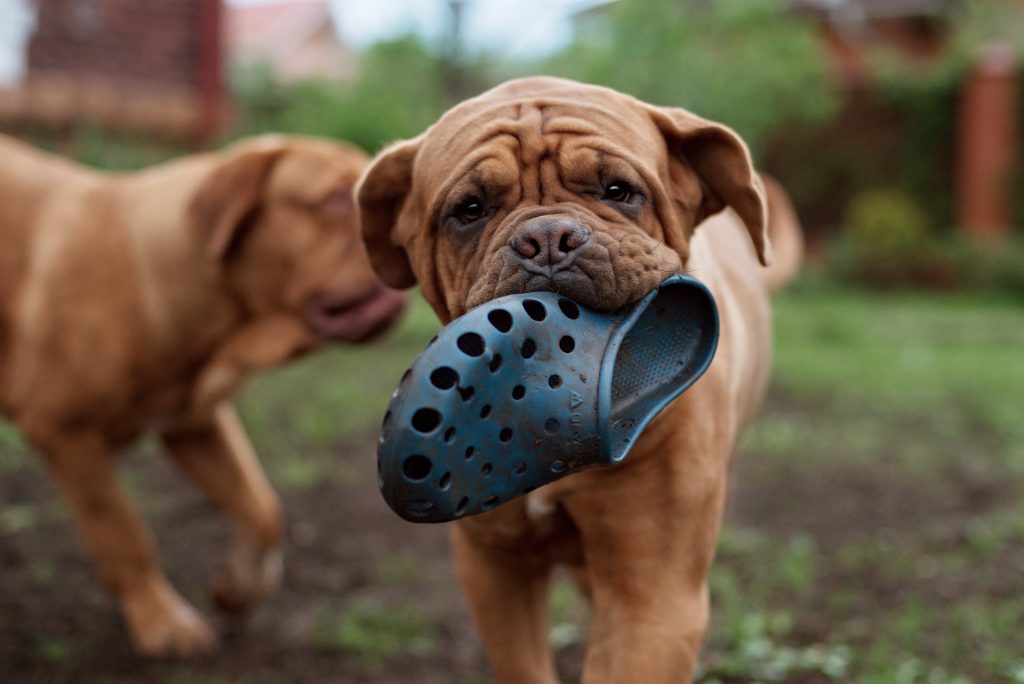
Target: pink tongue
x=362, y=320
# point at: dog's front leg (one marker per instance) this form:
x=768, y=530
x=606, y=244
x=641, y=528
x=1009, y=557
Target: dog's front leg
x=160, y=621
x=508, y=597
x=649, y=534
x=217, y=456
x=266, y=343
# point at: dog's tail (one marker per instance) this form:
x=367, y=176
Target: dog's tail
x=785, y=235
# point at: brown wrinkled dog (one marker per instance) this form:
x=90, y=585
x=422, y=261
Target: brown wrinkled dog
x=545, y=184
x=139, y=301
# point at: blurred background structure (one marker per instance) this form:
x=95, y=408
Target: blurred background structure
x=152, y=68
x=875, y=531
x=295, y=40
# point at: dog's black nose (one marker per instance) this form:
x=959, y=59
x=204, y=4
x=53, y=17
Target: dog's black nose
x=549, y=240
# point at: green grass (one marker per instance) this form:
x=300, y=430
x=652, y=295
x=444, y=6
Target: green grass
x=957, y=362
x=885, y=541
x=334, y=397
x=339, y=391
x=374, y=632
x=913, y=399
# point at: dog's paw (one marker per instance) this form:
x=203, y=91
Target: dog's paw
x=163, y=624
x=248, y=575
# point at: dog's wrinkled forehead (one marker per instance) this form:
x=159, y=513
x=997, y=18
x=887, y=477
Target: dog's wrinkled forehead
x=615, y=176
x=533, y=124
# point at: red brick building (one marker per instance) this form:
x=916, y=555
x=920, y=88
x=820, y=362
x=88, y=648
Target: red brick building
x=148, y=66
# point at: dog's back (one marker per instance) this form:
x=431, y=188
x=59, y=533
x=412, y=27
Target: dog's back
x=29, y=179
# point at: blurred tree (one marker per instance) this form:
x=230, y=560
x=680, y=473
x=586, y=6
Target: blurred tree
x=747, y=63
x=453, y=67
x=398, y=93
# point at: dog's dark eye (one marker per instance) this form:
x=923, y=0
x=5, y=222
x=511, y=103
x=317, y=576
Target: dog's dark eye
x=469, y=210
x=618, y=191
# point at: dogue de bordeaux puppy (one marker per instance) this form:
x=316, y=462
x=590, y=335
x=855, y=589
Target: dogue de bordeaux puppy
x=140, y=301
x=546, y=184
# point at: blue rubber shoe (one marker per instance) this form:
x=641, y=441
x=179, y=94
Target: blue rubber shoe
x=526, y=389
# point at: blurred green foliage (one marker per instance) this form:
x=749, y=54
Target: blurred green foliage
x=901, y=129
x=887, y=241
x=748, y=63
x=983, y=21
x=900, y=132
x=887, y=223
x=398, y=93
x=922, y=144
x=933, y=262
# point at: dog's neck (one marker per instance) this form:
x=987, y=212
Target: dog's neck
x=186, y=304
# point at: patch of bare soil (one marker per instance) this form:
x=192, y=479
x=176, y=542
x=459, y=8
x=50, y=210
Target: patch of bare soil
x=56, y=625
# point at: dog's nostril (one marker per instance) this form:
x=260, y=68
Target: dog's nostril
x=525, y=244
x=572, y=239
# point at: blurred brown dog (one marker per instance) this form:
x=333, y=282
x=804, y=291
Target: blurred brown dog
x=140, y=301
x=545, y=184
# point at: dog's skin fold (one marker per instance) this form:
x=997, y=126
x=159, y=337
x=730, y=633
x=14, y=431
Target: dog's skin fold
x=140, y=301
x=546, y=184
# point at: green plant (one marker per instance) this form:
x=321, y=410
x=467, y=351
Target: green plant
x=886, y=248
x=888, y=241
x=754, y=652
x=375, y=633
x=1008, y=269
x=886, y=223
x=569, y=614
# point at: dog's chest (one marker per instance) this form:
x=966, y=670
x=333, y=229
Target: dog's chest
x=534, y=525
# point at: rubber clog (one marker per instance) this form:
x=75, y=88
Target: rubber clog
x=526, y=389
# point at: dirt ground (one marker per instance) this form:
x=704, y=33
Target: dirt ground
x=878, y=543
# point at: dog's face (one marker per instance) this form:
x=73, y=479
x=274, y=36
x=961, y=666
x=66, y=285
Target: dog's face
x=546, y=184
x=278, y=213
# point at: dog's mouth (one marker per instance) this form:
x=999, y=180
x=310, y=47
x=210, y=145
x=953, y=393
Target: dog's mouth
x=597, y=267
x=573, y=283
x=354, y=318
x=595, y=284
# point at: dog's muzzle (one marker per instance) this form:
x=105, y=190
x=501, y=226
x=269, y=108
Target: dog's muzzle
x=548, y=244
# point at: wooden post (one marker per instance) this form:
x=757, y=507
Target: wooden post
x=209, y=72
x=989, y=144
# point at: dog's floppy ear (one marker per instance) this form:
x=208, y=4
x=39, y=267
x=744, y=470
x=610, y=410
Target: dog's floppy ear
x=380, y=196
x=722, y=162
x=229, y=195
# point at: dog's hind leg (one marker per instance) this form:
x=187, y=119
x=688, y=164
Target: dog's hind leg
x=160, y=621
x=217, y=456
x=508, y=596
